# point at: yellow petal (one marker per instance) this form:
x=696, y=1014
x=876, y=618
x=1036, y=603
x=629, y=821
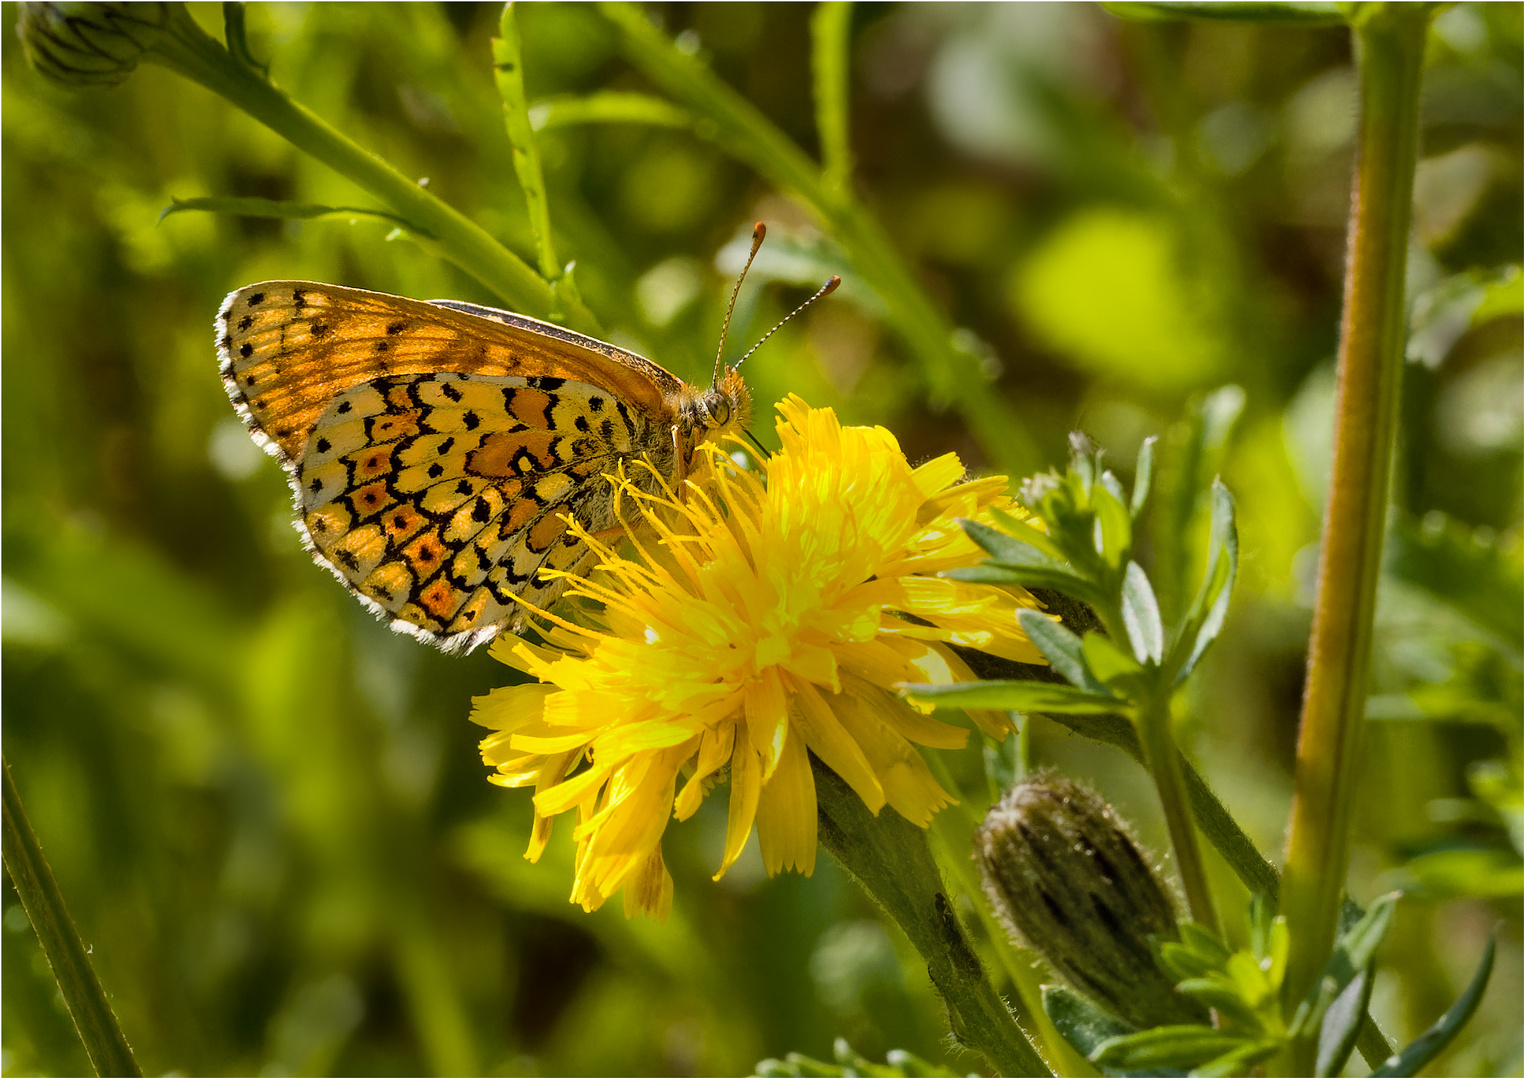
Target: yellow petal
x=767, y=711
x=787, y=812
x=746, y=780
x=815, y=719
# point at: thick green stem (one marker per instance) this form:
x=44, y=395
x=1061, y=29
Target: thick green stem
x=890, y=858
x=1390, y=49
x=1165, y=765
x=66, y=953
x=193, y=53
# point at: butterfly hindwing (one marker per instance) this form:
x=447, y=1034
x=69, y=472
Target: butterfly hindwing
x=439, y=498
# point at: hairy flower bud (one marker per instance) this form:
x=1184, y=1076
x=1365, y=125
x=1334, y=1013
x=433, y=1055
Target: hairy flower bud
x=1066, y=879
x=91, y=44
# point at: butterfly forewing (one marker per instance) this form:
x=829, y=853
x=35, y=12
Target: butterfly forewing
x=436, y=451
x=288, y=347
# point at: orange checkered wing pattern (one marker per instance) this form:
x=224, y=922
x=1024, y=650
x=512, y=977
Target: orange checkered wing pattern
x=437, y=451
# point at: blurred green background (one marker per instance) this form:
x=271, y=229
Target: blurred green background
x=267, y=812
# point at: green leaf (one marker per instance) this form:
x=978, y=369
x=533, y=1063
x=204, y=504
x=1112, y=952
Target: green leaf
x=1141, y=615
x=253, y=206
x=1107, y=661
x=1081, y=1022
x=1441, y=556
x=1204, y=943
x=1342, y=1023
x=1117, y=527
x=607, y=107
x=1218, y=993
x=1175, y=1046
x=1144, y=470
x=1239, y=1061
x=1353, y=952
x=1304, y=14
x=1035, y=577
x=1418, y=1054
x=1218, y=580
x=1020, y=544
x=1061, y=648
x=1020, y=695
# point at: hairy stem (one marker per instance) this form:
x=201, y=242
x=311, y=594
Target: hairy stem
x=1390, y=48
x=890, y=858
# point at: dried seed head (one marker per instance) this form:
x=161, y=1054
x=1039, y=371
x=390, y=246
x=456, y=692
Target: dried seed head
x=90, y=44
x=1067, y=880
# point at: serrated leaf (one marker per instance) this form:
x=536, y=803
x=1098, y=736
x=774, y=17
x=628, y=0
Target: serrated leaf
x=1061, y=648
x=1114, y=525
x=1079, y=1021
x=1342, y=1023
x=1011, y=695
x=1141, y=615
x=1175, y=1046
x=1144, y=471
x=1420, y=1053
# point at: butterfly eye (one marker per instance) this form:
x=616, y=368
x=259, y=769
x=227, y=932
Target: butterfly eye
x=718, y=408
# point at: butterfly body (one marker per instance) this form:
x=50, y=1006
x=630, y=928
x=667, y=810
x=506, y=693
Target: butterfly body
x=437, y=450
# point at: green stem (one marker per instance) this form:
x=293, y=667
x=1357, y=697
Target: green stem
x=191, y=52
x=66, y=953
x=890, y=858
x=1165, y=764
x=738, y=128
x=508, y=73
x=1390, y=42
x=829, y=72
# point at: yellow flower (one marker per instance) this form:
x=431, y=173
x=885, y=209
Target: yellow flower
x=772, y=618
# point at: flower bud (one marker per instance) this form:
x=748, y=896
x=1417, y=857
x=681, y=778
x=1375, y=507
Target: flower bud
x=90, y=44
x=1066, y=879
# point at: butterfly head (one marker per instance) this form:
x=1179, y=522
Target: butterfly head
x=722, y=410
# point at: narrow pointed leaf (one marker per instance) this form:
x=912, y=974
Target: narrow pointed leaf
x=1107, y=661
x=1113, y=521
x=1080, y=1022
x=1062, y=649
x=1420, y=1053
x=253, y=206
x=1020, y=695
x=1144, y=473
x=607, y=107
x=1353, y=952
x=1239, y=1061
x=1342, y=1023
x=1175, y=1046
x=1028, y=548
x=1141, y=615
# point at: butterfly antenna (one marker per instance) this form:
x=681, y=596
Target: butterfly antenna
x=761, y=448
x=758, y=232
x=825, y=290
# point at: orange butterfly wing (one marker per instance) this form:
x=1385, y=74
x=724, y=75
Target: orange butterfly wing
x=435, y=449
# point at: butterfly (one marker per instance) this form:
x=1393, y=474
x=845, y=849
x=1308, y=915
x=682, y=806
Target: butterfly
x=438, y=451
